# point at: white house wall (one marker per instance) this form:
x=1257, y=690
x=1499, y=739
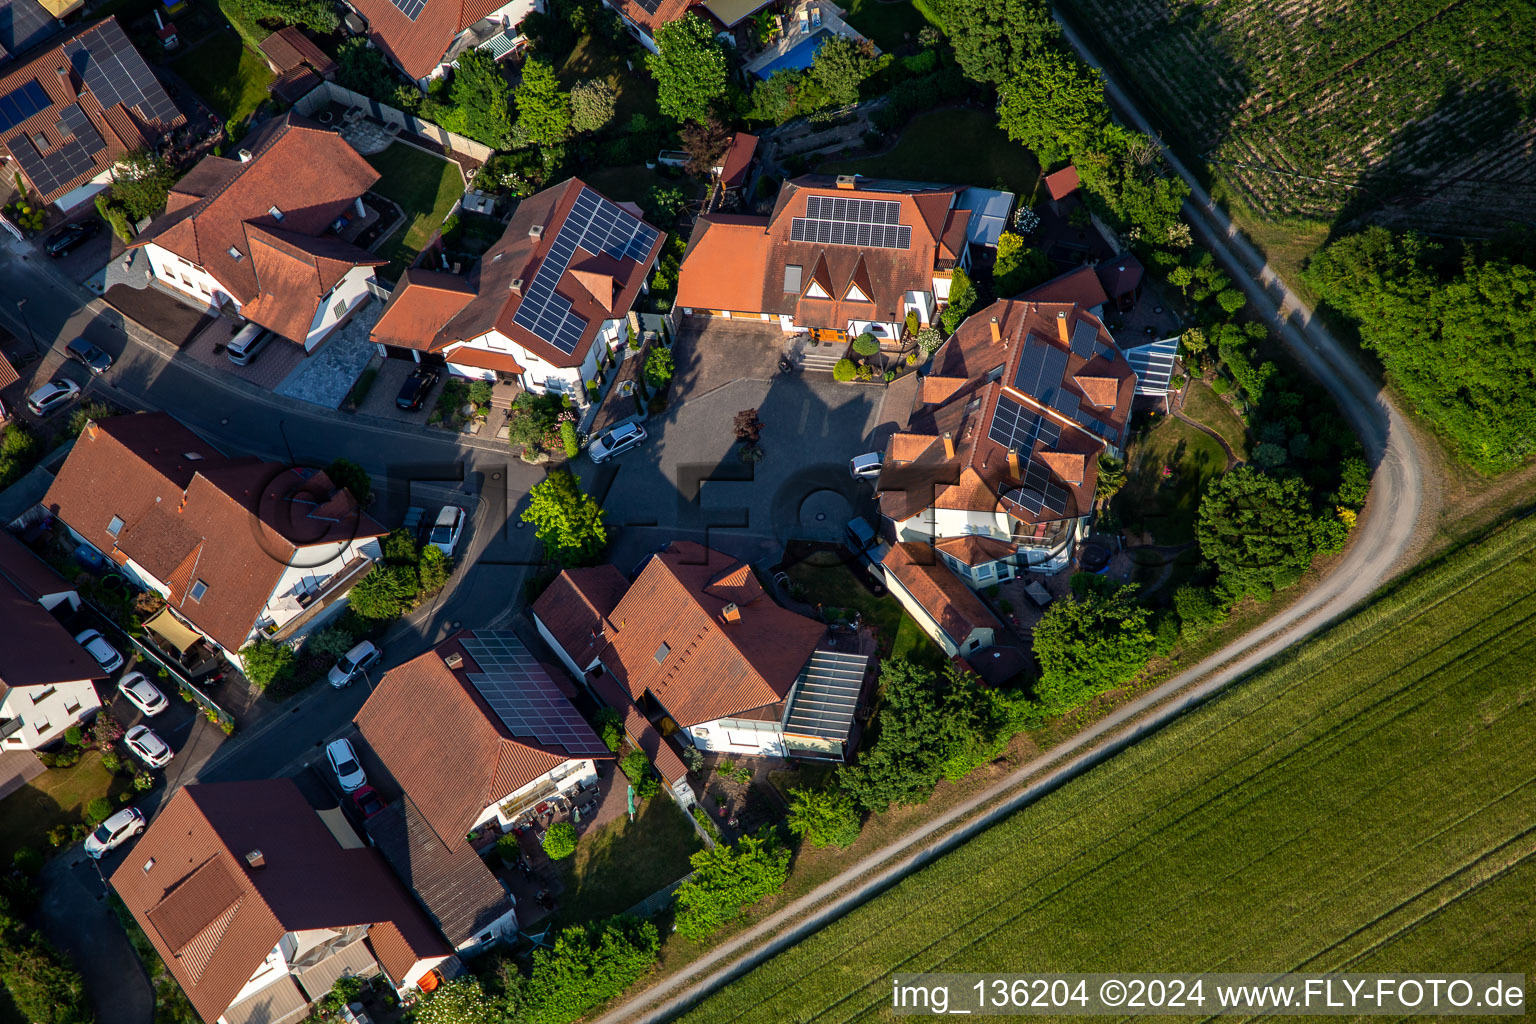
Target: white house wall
x=578, y=672
x=739, y=736
x=567, y=775
x=45, y=720
x=538, y=373
x=350, y=292
x=316, y=563
x=187, y=278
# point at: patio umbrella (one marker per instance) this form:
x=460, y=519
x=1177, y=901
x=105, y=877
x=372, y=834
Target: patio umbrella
x=631, y=803
x=576, y=815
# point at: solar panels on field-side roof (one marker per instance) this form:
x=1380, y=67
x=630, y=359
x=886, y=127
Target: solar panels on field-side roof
x=520, y=692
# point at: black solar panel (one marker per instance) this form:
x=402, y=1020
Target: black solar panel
x=1083, y=338
x=73, y=123
x=21, y=103
x=866, y=223
x=58, y=169
x=410, y=8
x=1016, y=427
x=598, y=226
x=650, y=6
x=115, y=73
x=1041, y=368
x=523, y=696
x=1040, y=493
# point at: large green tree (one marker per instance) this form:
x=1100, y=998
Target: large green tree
x=543, y=110
x=569, y=521
x=141, y=183
x=1093, y=642
x=690, y=70
x=1257, y=530
x=1123, y=172
x=993, y=37
x=1053, y=105
x=588, y=965
x=593, y=103
x=838, y=69
x=727, y=880
x=1456, y=332
x=824, y=817
x=483, y=98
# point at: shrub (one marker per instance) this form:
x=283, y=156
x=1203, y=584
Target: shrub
x=386, y=592
x=610, y=728
x=111, y=761
x=704, y=823
x=693, y=757
x=844, y=370
x=824, y=818
x=98, y=810
x=568, y=439
x=726, y=880
x=73, y=736
x=865, y=345
x=143, y=782
x=329, y=644
x=560, y=840
x=586, y=966
x=27, y=860
x=638, y=767
x=508, y=848
x=266, y=662
x=659, y=368
x=433, y=570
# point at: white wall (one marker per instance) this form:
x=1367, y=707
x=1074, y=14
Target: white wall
x=979, y=638
x=567, y=776
x=46, y=717
x=312, y=568
x=578, y=671
x=350, y=292
x=187, y=278
x=538, y=372
x=941, y=288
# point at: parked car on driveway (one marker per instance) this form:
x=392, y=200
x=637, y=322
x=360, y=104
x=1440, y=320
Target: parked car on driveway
x=97, y=647
x=414, y=391
x=866, y=465
x=148, y=747
x=71, y=236
x=52, y=396
x=114, y=832
x=367, y=801
x=616, y=441
x=359, y=659
x=446, y=531
x=93, y=358
x=142, y=694
x=349, y=773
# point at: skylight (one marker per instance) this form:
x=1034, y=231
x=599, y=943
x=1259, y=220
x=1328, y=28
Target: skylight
x=199, y=588
x=661, y=653
x=115, y=527
x=236, y=253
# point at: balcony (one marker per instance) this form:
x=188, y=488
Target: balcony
x=310, y=603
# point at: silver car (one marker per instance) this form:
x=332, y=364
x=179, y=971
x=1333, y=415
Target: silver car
x=148, y=747
x=616, y=441
x=358, y=659
x=349, y=773
x=97, y=647
x=114, y=832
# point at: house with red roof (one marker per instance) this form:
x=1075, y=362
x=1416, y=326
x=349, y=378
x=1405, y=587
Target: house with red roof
x=262, y=233
x=837, y=257
x=542, y=304
x=423, y=37
x=997, y=465
x=237, y=547
x=695, y=647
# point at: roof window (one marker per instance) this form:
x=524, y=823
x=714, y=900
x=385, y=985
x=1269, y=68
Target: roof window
x=662, y=652
x=275, y=212
x=115, y=526
x=236, y=253
x=199, y=588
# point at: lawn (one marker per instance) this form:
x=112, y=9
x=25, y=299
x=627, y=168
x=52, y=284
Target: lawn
x=206, y=68
x=632, y=182
x=426, y=186
x=915, y=645
x=594, y=58
x=961, y=146
x=831, y=584
x=622, y=863
x=56, y=797
x=1165, y=505
x=888, y=23
x=1364, y=804
x=1206, y=406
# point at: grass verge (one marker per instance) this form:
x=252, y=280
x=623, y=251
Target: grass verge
x=1206, y=406
x=1361, y=804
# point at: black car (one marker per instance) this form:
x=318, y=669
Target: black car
x=94, y=358
x=69, y=237
x=414, y=391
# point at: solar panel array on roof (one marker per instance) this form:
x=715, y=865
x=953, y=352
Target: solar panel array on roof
x=835, y=220
x=21, y=103
x=598, y=226
x=1083, y=338
x=1016, y=427
x=826, y=695
x=410, y=8
x=650, y=6
x=115, y=73
x=1041, y=368
x=73, y=123
x=523, y=696
x=1040, y=492
x=75, y=159
x=23, y=23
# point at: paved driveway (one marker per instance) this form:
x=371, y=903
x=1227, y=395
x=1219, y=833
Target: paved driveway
x=687, y=482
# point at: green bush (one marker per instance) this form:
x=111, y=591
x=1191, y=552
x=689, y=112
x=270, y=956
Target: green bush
x=73, y=735
x=844, y=370
x=638, y=767
x=111, y=761
x=824, y=818
x=267, y=662
x=508, y=848
x=329, y=644
x=98, y=810
x=610, y=728
x=560, y=840
x=433, y=570
x=865, y=345
x=27, y=860
x=387, y=592
x=568, y=439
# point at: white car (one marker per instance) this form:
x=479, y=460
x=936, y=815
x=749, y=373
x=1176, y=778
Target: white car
x=142, y=694
x=616, y=441
x=359, y=658
x=52, y=395
x=349, y=773
x=148, y=747
x=445, y=532
x=97, y=647
x=866, y=465
x=114, y=832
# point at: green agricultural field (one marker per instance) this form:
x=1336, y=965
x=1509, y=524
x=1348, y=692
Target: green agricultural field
x=1415, y=112
x=1364, y=804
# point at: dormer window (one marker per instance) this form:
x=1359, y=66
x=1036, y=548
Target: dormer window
x=199, y=588
x=236, y=254
x=856, y=294
x=275, y=212
x=816, y=291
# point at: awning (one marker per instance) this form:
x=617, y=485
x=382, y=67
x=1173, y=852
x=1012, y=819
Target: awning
x=483, y=360
x=173, y=631
x=352, y=961
x=729, y=12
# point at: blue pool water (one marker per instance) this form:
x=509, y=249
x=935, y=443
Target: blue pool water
x=797, y=59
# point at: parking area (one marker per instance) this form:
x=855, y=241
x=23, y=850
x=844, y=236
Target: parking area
x=273, y=363
x=86, y=260
x=687, y=481
x=380, y=400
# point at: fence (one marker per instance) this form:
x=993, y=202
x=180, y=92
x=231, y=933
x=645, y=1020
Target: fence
x=329, y=92
x=657, y=900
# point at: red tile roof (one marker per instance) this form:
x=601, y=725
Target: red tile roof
x=738, y=160
x=576, y=606
x=518, y=255
x=220, y=218
x=214, y=918
x=938, y=590
x=289, y=48
x=121, y=130
x=1081, y=286
x=448, y=749
x=975, y=549
x=34, y=649
x=419, y=307
x=1062, y=183
x=651, y=20
x=714, y=277
x=8, y=374
x=482, y=359
x=418, y=45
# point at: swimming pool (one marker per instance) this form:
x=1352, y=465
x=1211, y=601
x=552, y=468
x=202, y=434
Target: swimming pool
x=798, y=58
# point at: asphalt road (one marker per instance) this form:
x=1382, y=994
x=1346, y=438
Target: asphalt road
x=1377, y=549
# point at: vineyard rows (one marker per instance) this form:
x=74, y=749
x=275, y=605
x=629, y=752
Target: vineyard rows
x=1414, y=110
x=1364, y=805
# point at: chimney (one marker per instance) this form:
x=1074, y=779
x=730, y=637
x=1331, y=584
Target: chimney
x=516, y=287
x=1013, y=464
x=848, y=181
x=256, y=859
x=997, y=331
x=1061, y=327
x=454, y=660
x=949, y=445
x=244, y=155
x=536, y=231
x=731, y=613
